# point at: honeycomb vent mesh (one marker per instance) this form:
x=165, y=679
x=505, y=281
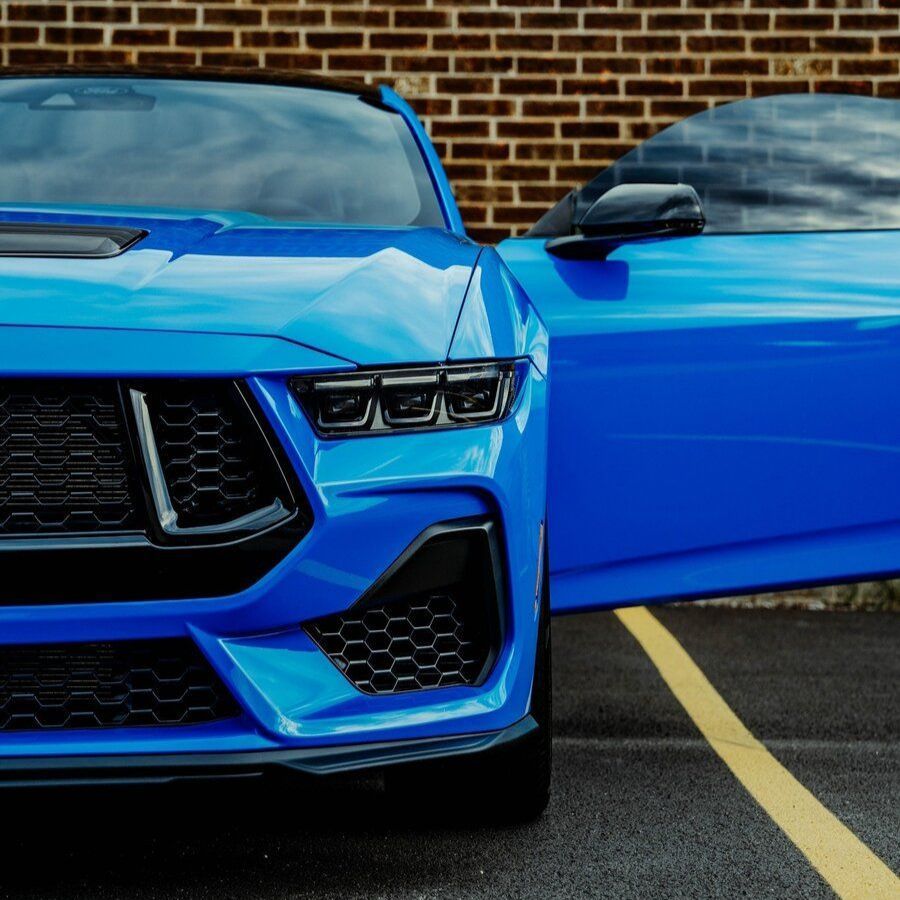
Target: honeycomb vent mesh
x=211, y=452
x=166, y=682
x=405, y=645
x=63, y=459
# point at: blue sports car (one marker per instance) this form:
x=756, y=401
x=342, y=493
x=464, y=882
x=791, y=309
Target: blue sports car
x=283, y=484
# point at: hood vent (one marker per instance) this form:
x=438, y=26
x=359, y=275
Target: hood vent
x=67, y=241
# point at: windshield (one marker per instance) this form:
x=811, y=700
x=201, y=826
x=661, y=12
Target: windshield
x=819, y=162
x=287, y=153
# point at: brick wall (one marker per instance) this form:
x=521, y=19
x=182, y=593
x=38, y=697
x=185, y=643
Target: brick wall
x=524, y=98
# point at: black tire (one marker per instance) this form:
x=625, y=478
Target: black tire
x=508, y=785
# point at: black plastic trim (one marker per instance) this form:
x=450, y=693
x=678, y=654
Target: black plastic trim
x=284, y=77
x=330, y=760
x=378, y=595
x=120, y=239
x=108, y=567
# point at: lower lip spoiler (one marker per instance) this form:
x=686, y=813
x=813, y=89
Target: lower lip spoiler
x=162, y=768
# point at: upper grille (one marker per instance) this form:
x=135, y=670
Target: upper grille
x=165, y=682
x=80, y=463
x=63, y=462
x=211, y=453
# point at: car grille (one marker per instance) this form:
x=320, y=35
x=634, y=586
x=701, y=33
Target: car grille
x=105, y=685
x=63, y=462
x=406, y=645
x=214, y=471
x=141, y=477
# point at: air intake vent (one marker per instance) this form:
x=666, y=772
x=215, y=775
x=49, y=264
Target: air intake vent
x=216, y=465
x=74, y=241
x=431, y=622
x=63, y=459
x=114, y=491
x=166, y=682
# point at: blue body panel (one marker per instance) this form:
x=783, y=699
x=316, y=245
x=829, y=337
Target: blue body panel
x=725, y=416
x=211, y=295
x=366, y=295
x=373, y=495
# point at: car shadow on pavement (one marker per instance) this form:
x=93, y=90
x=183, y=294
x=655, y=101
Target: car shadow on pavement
x=248, y=839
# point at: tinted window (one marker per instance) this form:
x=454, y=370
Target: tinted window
x=818, y=162
x=292, y=153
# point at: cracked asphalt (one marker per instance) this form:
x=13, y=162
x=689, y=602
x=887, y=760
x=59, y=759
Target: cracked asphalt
x=642, y=806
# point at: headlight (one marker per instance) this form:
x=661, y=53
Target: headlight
x=367, y=402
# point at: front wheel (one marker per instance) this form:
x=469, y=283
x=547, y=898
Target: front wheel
x=507, y=785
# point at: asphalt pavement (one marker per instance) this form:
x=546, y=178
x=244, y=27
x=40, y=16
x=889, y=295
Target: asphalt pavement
x=642, y=806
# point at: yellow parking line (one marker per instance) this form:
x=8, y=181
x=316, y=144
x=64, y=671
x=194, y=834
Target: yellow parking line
x=837, y=854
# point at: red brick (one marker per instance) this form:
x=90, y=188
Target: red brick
x=163, y=15
x=514, y=128
x=296, y=18
x=587, y=43
x=739, y=66
x=35, y=12
x=120, y=13
x=803, y=22
x=306, y=61
x=73, y=35
x=781, y=44
x=538, y=42
x=484, y=20
x=716, y=43
x=487, y=150
x=717, y=87
x=501, y=64
x=869, y=22
x=646, y=88
x=18, y=34
x=421, y=18
x=232, y=16
x=677, y=22
x=399, y=40
x=334, y=40
x=135, y=37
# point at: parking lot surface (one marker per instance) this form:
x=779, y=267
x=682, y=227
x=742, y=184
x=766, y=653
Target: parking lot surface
x=642, y=804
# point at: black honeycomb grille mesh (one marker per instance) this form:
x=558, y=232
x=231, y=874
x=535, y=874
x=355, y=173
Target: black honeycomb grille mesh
x=109, y=685
x=211, y=452
x=407, y=645
x=63, y=460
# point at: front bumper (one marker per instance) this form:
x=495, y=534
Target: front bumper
x=161, y=768
x=370, y=498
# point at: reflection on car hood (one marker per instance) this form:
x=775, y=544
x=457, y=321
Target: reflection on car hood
x=366, y=295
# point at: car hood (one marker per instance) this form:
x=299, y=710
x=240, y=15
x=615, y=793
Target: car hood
x=363, y=295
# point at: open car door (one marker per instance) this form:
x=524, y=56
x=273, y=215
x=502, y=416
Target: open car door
x=725, y=406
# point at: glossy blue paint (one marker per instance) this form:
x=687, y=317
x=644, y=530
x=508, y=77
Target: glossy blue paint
x=374, y=495
x=212, y=294
x=367, y=295
x=724, y=415
x=497, y=319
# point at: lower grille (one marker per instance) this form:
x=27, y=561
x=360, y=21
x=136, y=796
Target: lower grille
x=63, y=462
x=166, y=682
x=404, y=646
x=432, y=621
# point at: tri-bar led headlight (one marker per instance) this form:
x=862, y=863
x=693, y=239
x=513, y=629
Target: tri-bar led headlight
x=384, y=400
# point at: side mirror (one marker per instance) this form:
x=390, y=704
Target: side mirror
x=631, y=212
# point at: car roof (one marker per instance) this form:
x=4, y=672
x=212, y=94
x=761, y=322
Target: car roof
x=286, y=77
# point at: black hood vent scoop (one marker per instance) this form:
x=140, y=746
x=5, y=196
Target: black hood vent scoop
x=66, y=241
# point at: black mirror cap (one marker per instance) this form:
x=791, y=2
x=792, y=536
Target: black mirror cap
x=630, y=213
